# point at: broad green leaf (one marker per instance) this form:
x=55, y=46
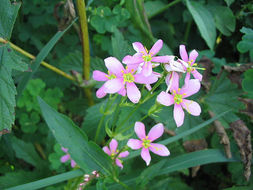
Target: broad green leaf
x=8, y=61
x=153, y=7
x=246, y=44
x=229, y=2
x=204, y=20
x=247, y=82
x=41, y=56
x=87, y=155
x=223, y=96
x=8, y=14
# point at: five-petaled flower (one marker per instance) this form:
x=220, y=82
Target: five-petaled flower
x=145, y=141
x=67, y=157
x=114, y=152
x=177, y=97
x=145, y=58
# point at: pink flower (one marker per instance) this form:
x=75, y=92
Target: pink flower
x=67, y=157
x=121, y=80
x=145, y=142
x=112, y=151
x=189, y=63
x=178, y=99
x=145, y=58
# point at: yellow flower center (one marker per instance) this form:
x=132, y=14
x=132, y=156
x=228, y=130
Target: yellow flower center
x=110, y=76
x=146, y=142
x=147, y=58
x=178, y=97
x=128, y=77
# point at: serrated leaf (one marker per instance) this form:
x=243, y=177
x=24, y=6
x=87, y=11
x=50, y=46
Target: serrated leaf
x=88, y=155
x=8, y=14
x=246, y=44
x=204, y=20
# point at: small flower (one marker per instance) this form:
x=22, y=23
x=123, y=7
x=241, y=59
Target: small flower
x=174, y=65
x=121, y=80
x=189, y=63
x=145, y=58
x=145, y=142
x=178, y=99
x=67, y=157
x=113, y=152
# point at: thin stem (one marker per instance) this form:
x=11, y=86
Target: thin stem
x=123, y=98
x=187, y=31
x=121, y=183
x=23, y=52
x=85, y=47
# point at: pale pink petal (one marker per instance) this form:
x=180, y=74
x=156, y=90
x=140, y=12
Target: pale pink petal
x=191, y=107
x=183, y=53
x=145, y=155
x=132, y=67
x=178, y=114
x=122, y=92
x=161, y=59
x=133, y=92
x=156, y=47
x=123, y=154
x=155, y=132
x=99, y=76
x=148, y=86
x=64, y=149
x=139, y=129
x=107, y=150
x=132, y=60
x=139, y=47
x=175, y=82
x=192, y=87
x=187, y=78
x=113, y=145
x=101, y=92
x=73, y=163
x=159, y=149
x=165, y=99
x=193, y=55
x=114, y=66
x=118, y=163
x=65, y=158
x=197, y=75
x=140, y=78
x=147, y=69
x=134, y=144
x=113, y=85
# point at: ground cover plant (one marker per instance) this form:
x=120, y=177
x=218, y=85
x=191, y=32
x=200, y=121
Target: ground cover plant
x=126, y=94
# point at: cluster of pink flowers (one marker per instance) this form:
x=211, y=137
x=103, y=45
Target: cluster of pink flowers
x=67, y=157
x=88, y=178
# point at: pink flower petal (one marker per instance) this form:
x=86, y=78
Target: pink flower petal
x=140, y=78
x=64, y=149
x=175, y=82
x=145, y=155
x=118, y=163
x=193, y=55
x=132, y=67
x=107, y=150
x=165, y=99
x=187, y=78
x=139, y=47
x=113, y=145
x=133, y=92
x=134, y=144
x=197, y=75
x=139, y=129
x=191, y=107
x=161, y=59
x=132, y=60
x=101, y=92
x=147, y=69
x=155, y=132
x=123, y=154
x=122, y=92
x=159, y=149
x=178, y=114
x=183, y=53
x=192, y=87
x=99, y=76
x=73, y=163
x=65, y=158
x=148, y=86
x=113, y=85
x=114, y=66
x=156, y=47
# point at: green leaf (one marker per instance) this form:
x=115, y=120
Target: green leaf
x=8, y=14
x=204, y=20
x=229, y=2
x=40, y=57
x=247, y=82
x=153, y=7
x=8, y=61
x=246, y=44
x=87, y=155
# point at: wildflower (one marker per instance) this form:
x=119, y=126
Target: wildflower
x=189, y=63
x=178, y=99
x=145, y=142
x=145, y=58
x=121, y=80
x=113, y=152
x=67, y=157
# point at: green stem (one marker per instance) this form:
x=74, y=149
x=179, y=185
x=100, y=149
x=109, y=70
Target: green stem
x=187, y=31
x=121, y=183
x=123, y=98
